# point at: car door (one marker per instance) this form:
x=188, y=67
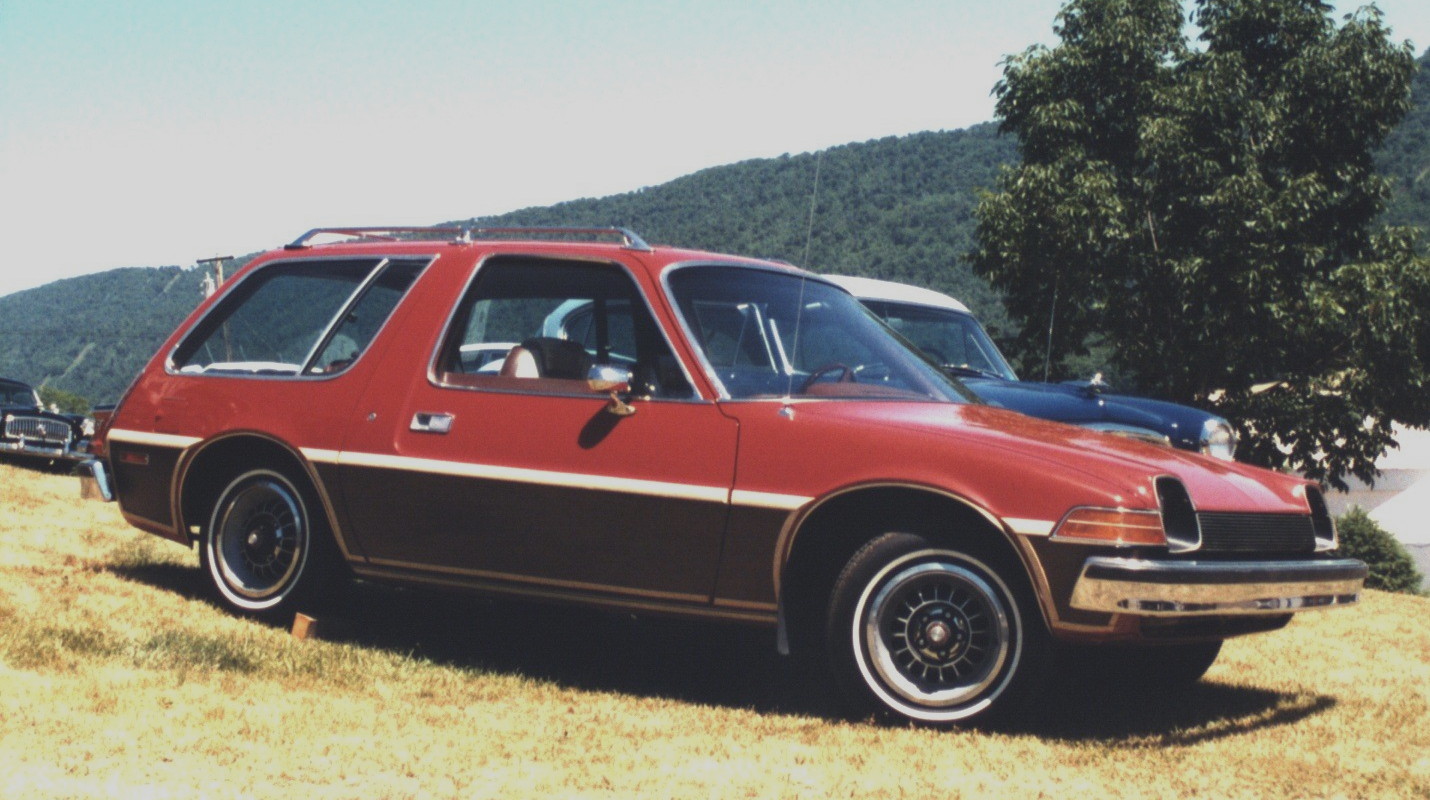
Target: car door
x=517, y=474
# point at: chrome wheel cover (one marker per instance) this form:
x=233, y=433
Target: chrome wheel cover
x=259, y=540
x=934, y=634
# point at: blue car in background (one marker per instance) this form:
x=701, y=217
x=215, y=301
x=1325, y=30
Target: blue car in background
x=945, y=330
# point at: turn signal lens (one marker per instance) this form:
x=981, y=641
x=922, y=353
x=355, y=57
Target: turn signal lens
x=1113, y=526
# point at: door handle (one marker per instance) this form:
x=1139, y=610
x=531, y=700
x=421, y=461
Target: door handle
x=426, y=422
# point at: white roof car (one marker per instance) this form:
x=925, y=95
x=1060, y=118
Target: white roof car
x=889, y=291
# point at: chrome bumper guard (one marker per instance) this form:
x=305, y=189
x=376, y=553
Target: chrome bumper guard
x=94, y=483
x=1204, y=588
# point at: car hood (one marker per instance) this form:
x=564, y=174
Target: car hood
x=1124, y=467
x=1077, y=405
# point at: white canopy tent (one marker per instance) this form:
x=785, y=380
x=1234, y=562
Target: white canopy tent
x=1406, y=512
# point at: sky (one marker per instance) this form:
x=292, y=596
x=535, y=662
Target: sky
x=160, y=132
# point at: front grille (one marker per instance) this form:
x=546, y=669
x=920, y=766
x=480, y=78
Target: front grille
x=1256, y=533
x=37, y=430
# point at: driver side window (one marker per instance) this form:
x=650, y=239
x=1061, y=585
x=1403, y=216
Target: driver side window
x=539, y=325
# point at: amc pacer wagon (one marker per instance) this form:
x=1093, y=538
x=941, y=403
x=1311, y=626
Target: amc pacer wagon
x=588, y=419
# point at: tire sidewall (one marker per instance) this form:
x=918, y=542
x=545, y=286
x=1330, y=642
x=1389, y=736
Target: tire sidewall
x=286, y=594
x=870, y=571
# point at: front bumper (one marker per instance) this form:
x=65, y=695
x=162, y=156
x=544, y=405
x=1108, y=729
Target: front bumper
x=94, y=482
x=1203, y=588
x=42, y=450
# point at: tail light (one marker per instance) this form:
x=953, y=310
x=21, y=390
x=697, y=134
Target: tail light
x=103, y=417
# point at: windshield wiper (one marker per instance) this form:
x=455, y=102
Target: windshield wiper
x=965, y=371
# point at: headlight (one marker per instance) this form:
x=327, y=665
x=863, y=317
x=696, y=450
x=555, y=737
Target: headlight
x=1218, y=439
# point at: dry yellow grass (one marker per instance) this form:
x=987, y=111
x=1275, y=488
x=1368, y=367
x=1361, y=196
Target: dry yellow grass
x=119, y=678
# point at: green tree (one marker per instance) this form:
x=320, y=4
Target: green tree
x=67, y=402
x=1209, y=209
x=1391, y=567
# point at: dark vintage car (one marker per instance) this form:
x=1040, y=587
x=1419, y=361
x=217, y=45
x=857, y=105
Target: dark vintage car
x=32, y=431
x=595, y=421
x=947, y=331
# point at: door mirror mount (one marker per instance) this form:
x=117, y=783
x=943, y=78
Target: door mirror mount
x=614, y=380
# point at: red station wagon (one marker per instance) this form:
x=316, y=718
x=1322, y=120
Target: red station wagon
x=575, y=416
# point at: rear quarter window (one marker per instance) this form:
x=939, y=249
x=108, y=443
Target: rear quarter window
x=312, y=317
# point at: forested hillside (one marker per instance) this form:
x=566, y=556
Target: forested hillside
x=1405, y=157
x=90, y=335
x=899, y=208
x=895, y=208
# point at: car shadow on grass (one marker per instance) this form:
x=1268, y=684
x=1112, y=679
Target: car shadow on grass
x=1141, y=716
x=726, y=665
x=40, y=464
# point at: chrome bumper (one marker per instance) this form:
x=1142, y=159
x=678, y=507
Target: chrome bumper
x=1202, y=588
x=94, y=483
x=42, y=450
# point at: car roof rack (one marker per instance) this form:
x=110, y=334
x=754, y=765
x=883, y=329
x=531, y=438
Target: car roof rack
x=394, y=233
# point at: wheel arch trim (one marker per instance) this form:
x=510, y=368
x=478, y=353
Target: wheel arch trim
x=193, y=456
x=796, y=525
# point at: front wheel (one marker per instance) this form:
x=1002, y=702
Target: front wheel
x=263, y=548
x=929, y=634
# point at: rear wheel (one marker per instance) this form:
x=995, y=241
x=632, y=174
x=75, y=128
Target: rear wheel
x=264, y=549
x=930, y=634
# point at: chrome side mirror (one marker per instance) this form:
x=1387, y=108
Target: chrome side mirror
x=615, y=380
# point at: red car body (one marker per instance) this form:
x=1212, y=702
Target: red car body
x=801, y=509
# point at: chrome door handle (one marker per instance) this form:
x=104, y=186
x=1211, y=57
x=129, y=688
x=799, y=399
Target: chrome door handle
x=426, y=422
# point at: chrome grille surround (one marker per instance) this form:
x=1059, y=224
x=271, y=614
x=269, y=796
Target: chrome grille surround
x=37, y=430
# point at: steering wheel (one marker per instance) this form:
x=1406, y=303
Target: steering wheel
x=846, y=375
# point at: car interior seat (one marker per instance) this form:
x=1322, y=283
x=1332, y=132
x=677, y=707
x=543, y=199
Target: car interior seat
x=547, y=357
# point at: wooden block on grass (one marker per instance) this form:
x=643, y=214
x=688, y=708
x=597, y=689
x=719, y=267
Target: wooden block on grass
x=305, y=627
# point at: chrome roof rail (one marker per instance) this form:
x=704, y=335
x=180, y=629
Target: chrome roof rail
x=385, y=233
x=629, y=239
x=388, y=233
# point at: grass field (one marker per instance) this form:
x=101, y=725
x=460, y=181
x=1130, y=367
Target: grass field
x=120, y=678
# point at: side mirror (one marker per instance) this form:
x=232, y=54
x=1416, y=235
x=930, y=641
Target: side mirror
x=615, y=380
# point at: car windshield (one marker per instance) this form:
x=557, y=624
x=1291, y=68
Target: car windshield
x=17, y=396
x=764, y=333
x=952, y=338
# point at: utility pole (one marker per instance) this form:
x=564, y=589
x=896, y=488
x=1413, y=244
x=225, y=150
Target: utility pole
x=212, y=281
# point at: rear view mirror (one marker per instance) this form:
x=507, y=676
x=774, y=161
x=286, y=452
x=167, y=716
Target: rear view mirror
x=615, y=380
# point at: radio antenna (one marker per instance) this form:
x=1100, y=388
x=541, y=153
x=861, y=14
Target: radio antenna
x=1052, y=317
x=813, y=198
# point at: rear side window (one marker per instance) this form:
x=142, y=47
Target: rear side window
x=313, y=317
